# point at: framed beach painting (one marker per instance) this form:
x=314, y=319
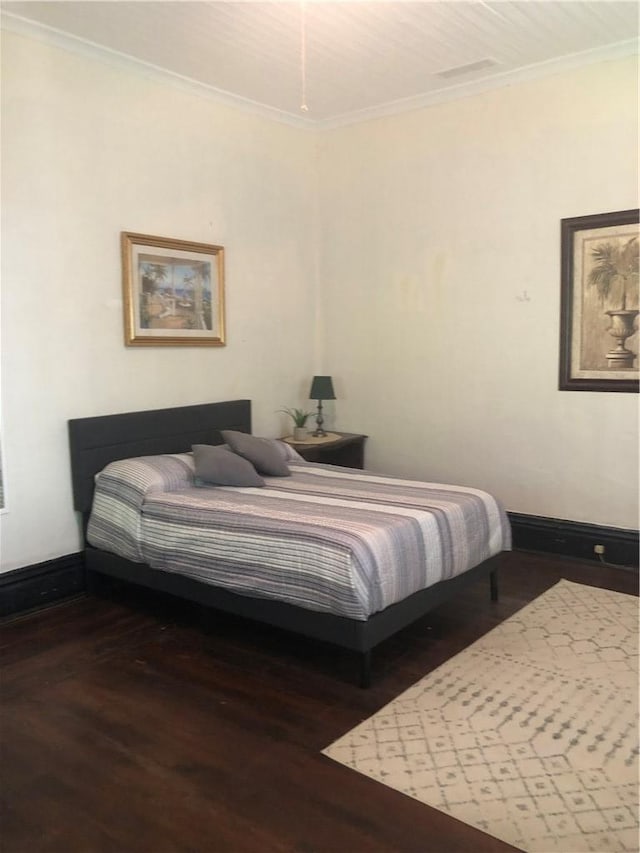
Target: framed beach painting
x=599, y=302
x=173, y=292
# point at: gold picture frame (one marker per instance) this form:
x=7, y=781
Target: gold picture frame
x=173, y=292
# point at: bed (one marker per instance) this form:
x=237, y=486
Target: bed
x=305, y=505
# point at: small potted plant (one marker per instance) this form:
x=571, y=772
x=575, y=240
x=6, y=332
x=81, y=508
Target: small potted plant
x=299, y=418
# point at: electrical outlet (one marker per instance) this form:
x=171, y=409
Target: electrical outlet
x=598, y=549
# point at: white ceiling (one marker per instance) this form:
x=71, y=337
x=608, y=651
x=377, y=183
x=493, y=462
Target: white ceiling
x=361, y=59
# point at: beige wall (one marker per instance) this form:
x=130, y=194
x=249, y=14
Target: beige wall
x=440, y=273
x=89, y=151
x=421, y=270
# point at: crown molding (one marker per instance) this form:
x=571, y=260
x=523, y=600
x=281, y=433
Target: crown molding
x=619, y=50
x=83, y=47
x=50, y=35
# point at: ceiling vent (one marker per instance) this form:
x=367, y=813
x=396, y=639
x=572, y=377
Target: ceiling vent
x=459, y=70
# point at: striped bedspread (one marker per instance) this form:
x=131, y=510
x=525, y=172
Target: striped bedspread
x=329, y=539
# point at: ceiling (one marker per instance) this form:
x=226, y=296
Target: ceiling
x=343, y=61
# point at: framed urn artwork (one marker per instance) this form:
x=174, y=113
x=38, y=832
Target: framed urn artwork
x=599, y=302
x=173, y=292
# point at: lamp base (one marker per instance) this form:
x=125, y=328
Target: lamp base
x=319, y=431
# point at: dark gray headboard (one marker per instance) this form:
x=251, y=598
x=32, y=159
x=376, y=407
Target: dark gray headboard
x=94, y=442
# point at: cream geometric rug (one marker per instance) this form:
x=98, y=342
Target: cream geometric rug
x=530, y=734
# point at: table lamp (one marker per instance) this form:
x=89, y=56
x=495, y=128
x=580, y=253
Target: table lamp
x=321, y=389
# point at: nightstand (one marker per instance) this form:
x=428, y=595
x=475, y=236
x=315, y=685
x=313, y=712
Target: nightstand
x=346, y=449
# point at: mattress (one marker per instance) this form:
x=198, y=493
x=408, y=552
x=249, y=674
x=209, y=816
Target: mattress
x=329, y=539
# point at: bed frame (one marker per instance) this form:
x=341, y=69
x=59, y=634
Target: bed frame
x=96, y=441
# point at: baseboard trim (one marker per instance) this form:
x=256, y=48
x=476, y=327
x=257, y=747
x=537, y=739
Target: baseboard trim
x=575, y=539
x=36, y=586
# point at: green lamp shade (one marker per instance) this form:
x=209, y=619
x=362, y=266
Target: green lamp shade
x=322, y=388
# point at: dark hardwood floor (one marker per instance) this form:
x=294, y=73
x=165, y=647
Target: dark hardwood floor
x=137, y=723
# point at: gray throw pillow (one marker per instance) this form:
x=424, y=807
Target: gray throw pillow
x=263, y=453
x=217, y=466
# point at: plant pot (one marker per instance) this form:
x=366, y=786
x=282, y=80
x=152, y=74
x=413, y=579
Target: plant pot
x=300, y=433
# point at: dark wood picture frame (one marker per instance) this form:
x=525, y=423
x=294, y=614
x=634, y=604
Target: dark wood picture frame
x=592, y=251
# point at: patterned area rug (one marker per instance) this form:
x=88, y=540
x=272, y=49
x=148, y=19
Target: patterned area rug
x=530, y=734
